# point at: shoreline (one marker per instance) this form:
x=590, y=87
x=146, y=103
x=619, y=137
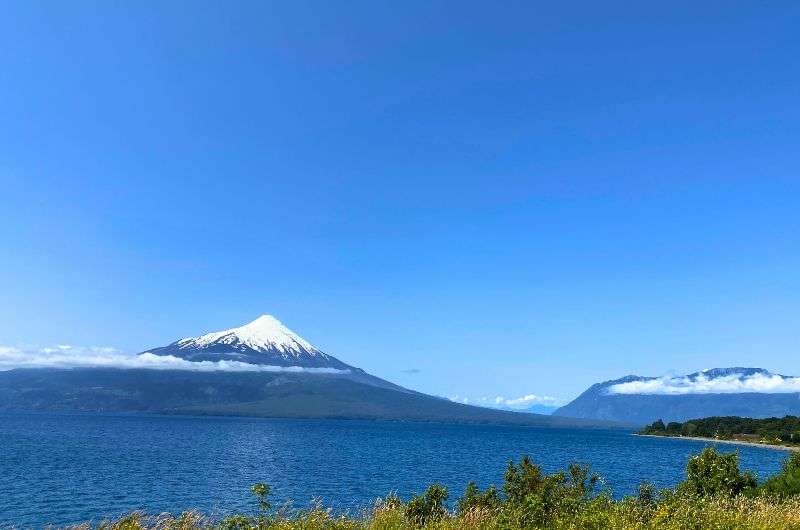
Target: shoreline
x=715, y=440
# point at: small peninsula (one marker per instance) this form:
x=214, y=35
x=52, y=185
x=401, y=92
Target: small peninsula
x=778, y=432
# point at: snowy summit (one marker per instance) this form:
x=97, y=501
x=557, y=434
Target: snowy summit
x=263, y=334
x=265, y=340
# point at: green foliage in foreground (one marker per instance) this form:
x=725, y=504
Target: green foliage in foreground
x=782, y=431
x=714, y=495
x=787, y=482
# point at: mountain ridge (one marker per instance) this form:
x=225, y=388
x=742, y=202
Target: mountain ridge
x=251, y=394
x=734, y=391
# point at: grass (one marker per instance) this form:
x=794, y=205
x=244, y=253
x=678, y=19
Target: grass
x=714, y=495
x=715, y=513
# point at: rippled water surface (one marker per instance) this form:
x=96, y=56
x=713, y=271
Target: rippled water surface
x=67, y=468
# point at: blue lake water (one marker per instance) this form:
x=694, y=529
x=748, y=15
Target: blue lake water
x=63, y=469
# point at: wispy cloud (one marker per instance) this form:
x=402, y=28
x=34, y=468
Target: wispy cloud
x=520, y=403
x=411, y=371
x=728, y=384
x=526, y=400
x=68, y=356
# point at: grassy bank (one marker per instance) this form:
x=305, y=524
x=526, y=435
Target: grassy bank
x=699, y=514
x=714, y=495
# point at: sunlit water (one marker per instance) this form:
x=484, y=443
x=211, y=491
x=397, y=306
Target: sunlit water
x=67, y=468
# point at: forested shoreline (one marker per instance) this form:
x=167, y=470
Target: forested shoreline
x=768, y=431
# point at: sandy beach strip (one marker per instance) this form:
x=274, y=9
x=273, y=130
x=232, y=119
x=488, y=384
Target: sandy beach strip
x=733, y=442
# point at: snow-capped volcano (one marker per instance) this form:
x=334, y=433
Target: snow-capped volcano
x=263, y=334
x=265, y=340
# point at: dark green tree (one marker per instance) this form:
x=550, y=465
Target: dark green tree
x=674, y=427
x=658, y=425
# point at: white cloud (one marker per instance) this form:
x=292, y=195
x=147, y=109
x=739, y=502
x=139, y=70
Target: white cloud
x=67, y=356
x=728, y=384
x=460, y=399
x=520, y=403
x=529, y=399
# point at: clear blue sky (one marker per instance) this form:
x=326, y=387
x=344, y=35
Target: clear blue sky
x=509, y=199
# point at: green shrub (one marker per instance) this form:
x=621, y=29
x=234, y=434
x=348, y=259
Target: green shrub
x=261, y=491
x=520, y=482
x=427, y=507
x=536, y=499
x=581, y=482
x=475, y=499
x=646, y=496
x=787, y=482
x=713, y=473
x=237, y=522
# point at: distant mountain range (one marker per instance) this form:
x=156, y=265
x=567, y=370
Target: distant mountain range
x=748, y=392
x=535, y=408
x=541, y=409
x=259, y=369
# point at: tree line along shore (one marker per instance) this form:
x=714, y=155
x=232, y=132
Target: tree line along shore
x=783, y=432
